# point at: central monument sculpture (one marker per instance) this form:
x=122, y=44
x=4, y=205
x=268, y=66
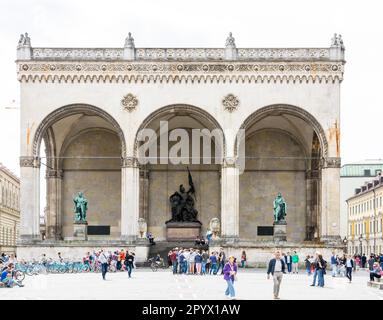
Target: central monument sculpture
x=184, y=224
x=80, y=227
x=280, y=210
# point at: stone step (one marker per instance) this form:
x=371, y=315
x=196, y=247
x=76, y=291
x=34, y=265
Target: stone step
x=375, y=284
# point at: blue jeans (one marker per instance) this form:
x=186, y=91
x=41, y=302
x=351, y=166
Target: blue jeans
x=333, y=270
x=289, y=267
x=308, y=270
x=174, y=265
x=203, y=267
x=230, y=288
x=315, y=276
x=104, y=269
x=320, y=277
x=221, y=264
x=129, y=267
x=213, y=268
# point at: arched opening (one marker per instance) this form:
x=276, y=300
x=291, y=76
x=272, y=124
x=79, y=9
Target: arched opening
x=159, y=179
x=283, y=148
x=83, y=150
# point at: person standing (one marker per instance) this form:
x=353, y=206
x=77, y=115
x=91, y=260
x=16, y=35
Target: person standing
x=173, y=259
x=333, y=262
x=349, y=267
x=320, y=266
x=198, y=262
x=277, y=267
x=381, y=260
x=371, y=262
x=205, y=257
x=295, y=262
x=243, y=259
x=288, y=262
x=103, y=259
x=221, y=260
x=213, y=263
x=191, y=261
x=129, y=262
x=308, y=265
x=364, y=260
x=229, y=274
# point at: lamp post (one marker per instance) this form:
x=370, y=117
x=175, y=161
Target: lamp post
x=374, y=223
x=345, y=244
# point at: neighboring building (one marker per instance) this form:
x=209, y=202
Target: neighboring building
x=89, y=105
x=9, y=210
x=352, y=176
x=365, y=218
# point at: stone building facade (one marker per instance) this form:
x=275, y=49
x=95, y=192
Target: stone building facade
x=365, y=214
x=9, y=210
x=90, y=105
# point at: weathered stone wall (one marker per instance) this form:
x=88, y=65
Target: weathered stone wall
x=267, y=175
x=99, y=179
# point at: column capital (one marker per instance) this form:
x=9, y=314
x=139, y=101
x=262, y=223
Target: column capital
x=230, y=162
x=29, y=161
x=129, y=162
x=330, y=162
x=52, y=173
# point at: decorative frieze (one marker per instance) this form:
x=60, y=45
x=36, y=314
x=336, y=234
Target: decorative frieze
x=27, y=161
x=57, y=174
x=230, y=162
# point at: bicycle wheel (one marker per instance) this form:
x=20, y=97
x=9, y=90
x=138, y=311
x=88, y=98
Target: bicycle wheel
x=154, y=267
x=19, y=275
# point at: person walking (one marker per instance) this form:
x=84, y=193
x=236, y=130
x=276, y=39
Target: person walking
x=229, y=274
x=243, y=259
x=288, y=261
x=129, y=262
x=295, y=262
x=103, y=259
x=277, y=267
x=349, y=267
x=334, y=262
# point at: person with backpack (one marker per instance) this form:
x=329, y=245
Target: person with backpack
x=129, y=262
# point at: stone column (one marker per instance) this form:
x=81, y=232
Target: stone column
x=312, y=182
x=130, y=176
x=54, y=216
x=330, y=211
x=144, y=193
x=229, y=200
x=29, y=199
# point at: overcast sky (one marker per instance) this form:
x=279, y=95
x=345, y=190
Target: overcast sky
x=175, y=23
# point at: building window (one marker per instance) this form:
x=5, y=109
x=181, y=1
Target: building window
x=367, y=172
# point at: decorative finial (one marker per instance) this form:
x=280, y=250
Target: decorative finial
x=129, y=41
x=230, y=41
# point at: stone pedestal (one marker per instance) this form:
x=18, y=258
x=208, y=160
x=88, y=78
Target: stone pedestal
x=80, y=231
x=280, y=231
x=183, y=231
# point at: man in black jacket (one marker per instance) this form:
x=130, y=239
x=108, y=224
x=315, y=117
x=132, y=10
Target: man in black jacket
x=277, y=267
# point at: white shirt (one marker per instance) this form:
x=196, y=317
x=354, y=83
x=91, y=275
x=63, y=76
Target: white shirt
x=103, y=258
x=348, y=263
x=192, y=256
x=278, y=265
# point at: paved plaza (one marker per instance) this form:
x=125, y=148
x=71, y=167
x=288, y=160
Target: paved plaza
x=148, y=285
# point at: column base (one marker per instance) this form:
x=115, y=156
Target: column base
x=129, y=239
x=332, y=240
x=28, y=239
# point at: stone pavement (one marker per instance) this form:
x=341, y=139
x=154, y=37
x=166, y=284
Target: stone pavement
x=148, y=285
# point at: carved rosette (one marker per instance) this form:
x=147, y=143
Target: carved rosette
x=129, y=162
x=230, y=103
x=33, y=162
x=331, y=162
x=129, y=102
